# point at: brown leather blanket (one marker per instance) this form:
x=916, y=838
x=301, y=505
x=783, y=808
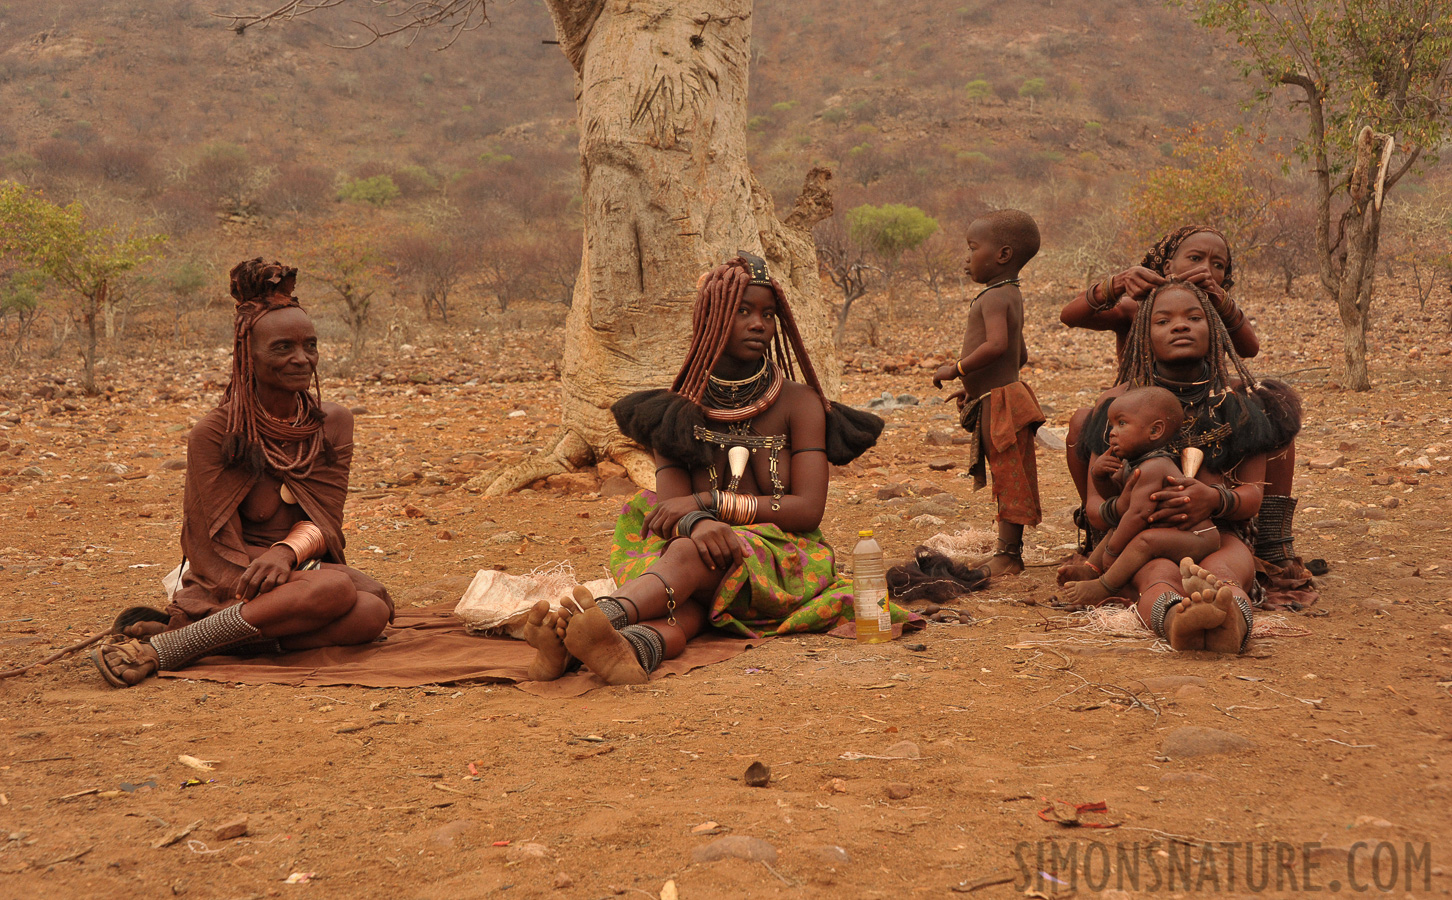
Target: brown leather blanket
x=430, y=646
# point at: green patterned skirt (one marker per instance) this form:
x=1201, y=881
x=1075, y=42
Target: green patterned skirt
x=785, y=583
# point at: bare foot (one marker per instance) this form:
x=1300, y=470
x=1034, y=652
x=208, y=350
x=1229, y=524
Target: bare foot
x=127, y=663
x=144, y=631
x=1001, y=564
x=590, y=637
x=540, y=632
x=1083, y=594
x=1076, y=572
x=1197, y=580
x=1207, y=620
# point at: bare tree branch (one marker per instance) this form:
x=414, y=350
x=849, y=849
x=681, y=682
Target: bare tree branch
x=455, y=17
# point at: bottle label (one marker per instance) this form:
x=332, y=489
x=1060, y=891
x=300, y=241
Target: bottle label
x=869, y=604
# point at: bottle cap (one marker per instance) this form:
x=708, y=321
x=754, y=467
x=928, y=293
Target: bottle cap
x=866, y=533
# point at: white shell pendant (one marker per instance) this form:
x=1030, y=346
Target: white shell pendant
x=287, y=495
x=1190, y=460
x=737, y=458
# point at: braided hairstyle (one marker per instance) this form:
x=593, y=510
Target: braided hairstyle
x=1137, y=367
x=1159, y=256
x=255, y=438
x=718, y=295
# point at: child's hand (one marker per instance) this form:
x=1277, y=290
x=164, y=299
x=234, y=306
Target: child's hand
x=944, y=373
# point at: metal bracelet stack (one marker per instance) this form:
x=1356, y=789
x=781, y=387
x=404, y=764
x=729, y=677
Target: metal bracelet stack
x=1163, y=604
x=1229, y=501
x=690, y=520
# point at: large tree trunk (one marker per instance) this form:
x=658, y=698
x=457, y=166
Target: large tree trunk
x=667, y=194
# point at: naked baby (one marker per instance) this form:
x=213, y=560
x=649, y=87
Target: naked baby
x=1142, y=423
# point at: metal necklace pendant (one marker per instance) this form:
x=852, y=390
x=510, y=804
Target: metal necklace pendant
x=287, y=495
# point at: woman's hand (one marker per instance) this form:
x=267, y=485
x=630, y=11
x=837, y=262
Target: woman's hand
x=1184, y=502
x=944, y=373
x=268, y=571
x=1136, y=282
x=1200, y=276
x=662, y=518
x=718, y=545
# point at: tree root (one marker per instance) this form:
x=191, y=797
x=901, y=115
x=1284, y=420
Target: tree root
x=639, y=465
x=570, y=452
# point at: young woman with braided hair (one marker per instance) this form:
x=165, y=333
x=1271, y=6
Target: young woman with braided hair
x=1201, y=255
x=730, y=537
x=267, y=476
x=1178, y=341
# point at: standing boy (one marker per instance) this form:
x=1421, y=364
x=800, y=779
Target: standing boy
x=998, y=410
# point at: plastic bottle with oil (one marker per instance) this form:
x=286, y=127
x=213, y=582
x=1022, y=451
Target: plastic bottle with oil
x=869, y=591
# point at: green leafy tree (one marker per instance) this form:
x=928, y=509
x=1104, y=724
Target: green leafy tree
x=890, y=230
x=1375, y=80
x=978, y=90
x=345, y=259
x=378, y=190
x=1227, y=183
x=21, y=291
x=86, y=262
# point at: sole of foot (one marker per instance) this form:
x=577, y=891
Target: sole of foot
x=592, y=640
x=540, y=632
x=1208, y=620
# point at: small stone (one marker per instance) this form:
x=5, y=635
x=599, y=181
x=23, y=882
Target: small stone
x=907, y=400
x=942, y=464
x=446, y=535
x=1326, y=463
x=938, y=438
x=1195, y=740
x=735, y=846
x=359, y=410
x=31, y=472
x=903, y=750
x=230, y=831
x=617, y=486
x=175, y=465
x=521, y=852
x=1373, y=513
x=837, y=786
x=1390, y=502
x=447, y=835
x=1051, y=438
x=507, y=537
x=1384, y=479
x=413, y=512
x=926, y=521
x=831, y=854
x=892, y=491
x=1422, y=464
x=757, y=775
x=563, y=880
x=899, y=790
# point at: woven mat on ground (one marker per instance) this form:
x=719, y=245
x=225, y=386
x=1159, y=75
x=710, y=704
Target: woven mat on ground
x=430, y=646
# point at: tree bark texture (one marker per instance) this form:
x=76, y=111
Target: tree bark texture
x=1362, y=232
x=661, y=108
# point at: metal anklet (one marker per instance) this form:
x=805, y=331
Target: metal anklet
x=1245, y=610
x=223, y=629
x=647, y=643
x=614, y=610
x=670, y=598
x=1163, y=604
